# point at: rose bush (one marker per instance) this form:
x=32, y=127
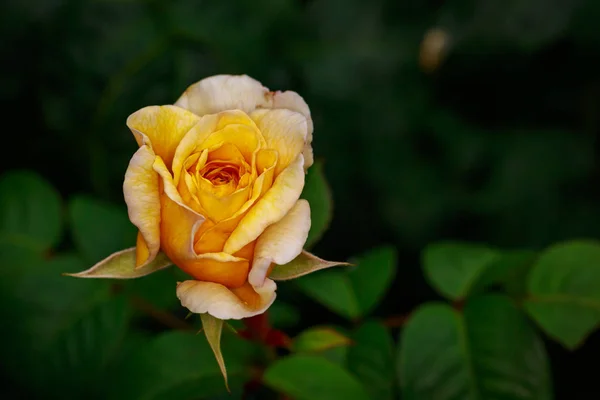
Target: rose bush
x=215, y=186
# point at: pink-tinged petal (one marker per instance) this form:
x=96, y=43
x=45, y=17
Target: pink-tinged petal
x=293, y=101
x=223, y=303
x=161, y=128
x=141, y=190
x=224, y=92
x=284, y=131
x=281, y=242
x=273, y=206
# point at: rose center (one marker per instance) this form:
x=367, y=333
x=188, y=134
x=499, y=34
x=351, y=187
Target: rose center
x=219, y=174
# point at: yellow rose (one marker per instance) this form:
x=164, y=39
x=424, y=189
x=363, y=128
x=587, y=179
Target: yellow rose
x=215, y=185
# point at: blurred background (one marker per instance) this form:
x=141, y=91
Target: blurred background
x=469, y=120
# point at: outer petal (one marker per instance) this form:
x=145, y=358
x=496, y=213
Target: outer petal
x=141, y=190
x=162, y=128
x=220, y=302
x=293, y=101
x=224, y=92
x=281, y=242
x=273, y=206
x=285, y=131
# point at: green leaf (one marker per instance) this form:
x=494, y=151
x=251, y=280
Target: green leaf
x=490, y=351
x=30, y=211
x=67, y=332
x=318, y=193
x=564, y=291
x=318, y=339
x=304, y=264
x=213, y=328
x=283, y=315
x=371, y=359
x=99, y=229
x=510, y=270
x=121, y=265
x=333, y=290
x=355, y=292
x=373, y=275
x=306, y=377
x=176, y=363
x=452, y=268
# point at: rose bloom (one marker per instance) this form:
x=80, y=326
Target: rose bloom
x=215, y=185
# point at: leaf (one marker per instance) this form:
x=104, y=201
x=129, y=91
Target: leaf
x=452, y=268
x=30, y=211
x=371, y=360
x=99, y=228
x=373, y=275
x=283, y=315
x=212, y=329
x=444, y=354
x=175, y=363
x=302, y=265
x=564, y=291
x=318, y=339
x=355, y=292
x=67, y=332
x=307, y=377
x=319, y=196
x=121, y=265
x=510, y=270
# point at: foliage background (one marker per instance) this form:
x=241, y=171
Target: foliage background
x=497, y=144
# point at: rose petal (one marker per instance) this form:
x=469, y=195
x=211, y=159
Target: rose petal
x=141, y=191
x=224, y=92
x=233, y=127
x=220, y=302
x=293, y=101
x=162, y=128
x=284, y=131
x=178, y=231
x=273, y=206
x=281, y=242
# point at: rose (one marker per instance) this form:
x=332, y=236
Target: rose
x=215, y=185
x=214, y=188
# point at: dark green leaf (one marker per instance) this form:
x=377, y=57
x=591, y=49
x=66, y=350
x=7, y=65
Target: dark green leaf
x=564, y=291
x=307, y=377
x=372, y=276
x=371, y=359
x=353, y=293
x=99, y=229
x=317, y=192
x=175, y=363
x=452, y=268
x=30, y=211
x=68, y=330
x=510, y=269
x=490, y=351
x=283, y=315
x=334, y=290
